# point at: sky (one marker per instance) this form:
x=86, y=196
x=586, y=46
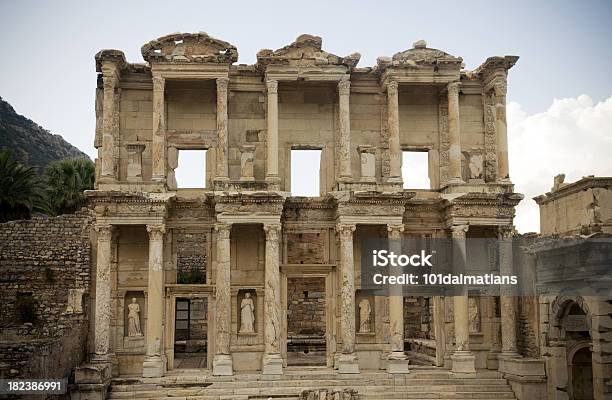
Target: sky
x=559, y=92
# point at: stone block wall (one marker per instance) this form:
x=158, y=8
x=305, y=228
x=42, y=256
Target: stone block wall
x=191, y=257
x=45, y=261
x=306, y=306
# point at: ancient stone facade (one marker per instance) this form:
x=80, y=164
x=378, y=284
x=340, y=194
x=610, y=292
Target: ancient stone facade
x=255, y=239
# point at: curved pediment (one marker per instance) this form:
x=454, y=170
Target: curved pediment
x=418, y=55
x=305, y=51
x=189, y=48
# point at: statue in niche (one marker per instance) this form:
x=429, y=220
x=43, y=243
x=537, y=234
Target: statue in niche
x=475, y=166
x=474, y=315
x=247, y=314
x=365, y=316
x=134, y=319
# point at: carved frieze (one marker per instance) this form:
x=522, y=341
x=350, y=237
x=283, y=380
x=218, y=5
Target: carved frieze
x=189, y=48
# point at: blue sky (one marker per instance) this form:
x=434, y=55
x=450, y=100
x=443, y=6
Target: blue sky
x=47, y=68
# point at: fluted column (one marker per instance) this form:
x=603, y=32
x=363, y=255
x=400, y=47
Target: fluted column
x=272, y=360
x=158, y=146
x=110, y=82
x=344, y=150
x=222, y=145
x=103, y=294
x=397, y=362
x=222, y=362
x=506, y=295
x=395, y=162
x=503, y=172
x=272, y=133
x=347, y=362
x=462, y=357
x=454, y=134
x=153, y=365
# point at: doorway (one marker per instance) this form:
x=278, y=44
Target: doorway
x=306, y=321
x=582, y=374
x=190, y=333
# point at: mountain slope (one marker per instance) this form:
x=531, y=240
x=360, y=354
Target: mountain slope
x=31, y=143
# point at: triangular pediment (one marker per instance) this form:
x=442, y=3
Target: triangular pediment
x=189, y=48
x=305, y=51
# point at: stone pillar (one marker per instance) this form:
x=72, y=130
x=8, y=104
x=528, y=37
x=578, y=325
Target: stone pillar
x=222, y=144
x=503, y=173
x=272, y=360
x=154, y=363
x=272, y=133
x=222, y=362
x=103, y=295
x=110, y=82
x=347, y=361
x=462, y=358
x=395, y=164
x=158, y=146
x=397, y=362
x=344, y=150
x=506, y=295
x=454, y=134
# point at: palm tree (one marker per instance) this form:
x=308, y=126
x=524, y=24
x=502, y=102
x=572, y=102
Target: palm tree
x=66, y=180
x=21, y=191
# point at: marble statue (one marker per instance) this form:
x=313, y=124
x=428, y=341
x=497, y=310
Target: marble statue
x=134, y=319
x=474, y=315
x=365, y=316
x=247, y=314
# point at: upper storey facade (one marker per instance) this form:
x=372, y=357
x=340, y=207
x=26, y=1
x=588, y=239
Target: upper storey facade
x=190, y=95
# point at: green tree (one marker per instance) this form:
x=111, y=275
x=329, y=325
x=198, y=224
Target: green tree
x=66, y=180
x=21, y=190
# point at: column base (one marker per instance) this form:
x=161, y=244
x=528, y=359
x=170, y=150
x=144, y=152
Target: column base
x=222, y=365
x=91, y=381
x=455, y=181
x=272, y=364
x=348, y=364
x=153, y=367
x=395, y=179
x=397, y=363
x=463, y=362
x=273, y=182
x=503, y=359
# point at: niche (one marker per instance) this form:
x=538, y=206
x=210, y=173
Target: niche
x=246, y=313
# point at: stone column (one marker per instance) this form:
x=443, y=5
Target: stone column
x=344, y=150
x=503, y=173
x=462, y=358
x=454, y=134
x=347, y=362
x=110, y=82
x=395, y=164
x=397, y=362
x=222, y=145
x=506, y=295
x=154, y=363
x=272, y=133
x=103, y=294
x=272, y=360
x=222, y=362
x=158, y=146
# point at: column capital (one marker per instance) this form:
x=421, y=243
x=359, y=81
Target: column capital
x=158, y=82
x=453, y=88
x=156, y=231
x=345, y=230
x=272, y=231
x=272, y=86
x=392, y=88
x=105, y=231
x=505, y=232
x=109, y=82
x=500, y=88
x=395, y=230
x=344, y=86
x=459, y=231
x=222, y=84
x=223, y=230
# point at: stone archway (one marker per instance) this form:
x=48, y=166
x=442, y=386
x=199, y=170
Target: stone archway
x=581, y=372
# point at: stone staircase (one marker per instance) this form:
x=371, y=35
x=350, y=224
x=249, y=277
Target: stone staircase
x=421, y=383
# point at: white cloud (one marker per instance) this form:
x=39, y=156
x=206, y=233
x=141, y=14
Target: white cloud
x=574, y=137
